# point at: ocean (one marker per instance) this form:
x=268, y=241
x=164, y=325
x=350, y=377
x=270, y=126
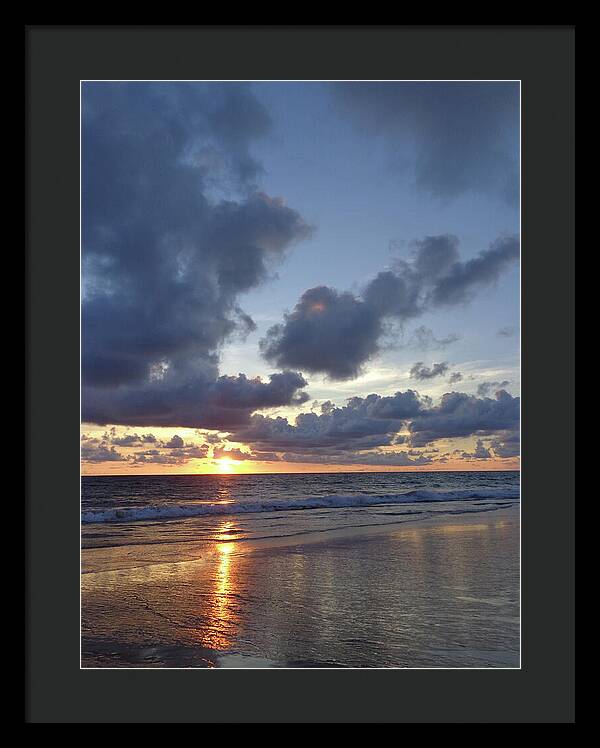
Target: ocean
x=301, y=570
x=137, y=509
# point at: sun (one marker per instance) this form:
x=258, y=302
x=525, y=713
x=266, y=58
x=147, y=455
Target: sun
x=225, y=465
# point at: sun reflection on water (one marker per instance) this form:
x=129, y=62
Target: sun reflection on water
x=223, y=615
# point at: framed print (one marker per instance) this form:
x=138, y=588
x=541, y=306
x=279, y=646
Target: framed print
x=301, y=353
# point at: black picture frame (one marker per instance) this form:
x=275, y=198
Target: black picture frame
x=57, y=58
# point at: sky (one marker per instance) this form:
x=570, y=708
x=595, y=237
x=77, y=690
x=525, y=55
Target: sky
x=293, y=277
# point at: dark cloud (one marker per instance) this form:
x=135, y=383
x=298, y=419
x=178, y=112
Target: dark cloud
x=132, y=440
x=232, y=454
x=364, y=431
x=455, y=377
x=173, y=231
x=209, y=437
x=175, y=442
x=256, y=456
x=327, y=331
x=266, y=456
x=250, y=394
x=507, y=444
x=100, y=453
x=357, y=432
x=507, y=332
x=174, y=455
x=465, y=278
x=336, y=333
x=172, y=452
x=485, y=388
x=375, y=457
x=221, y=403
x=454, y=137
x=460, y=415
x=480, y=453
x=363, y=423
x=421, y=372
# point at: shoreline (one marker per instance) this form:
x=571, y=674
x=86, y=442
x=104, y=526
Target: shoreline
x=186, y=551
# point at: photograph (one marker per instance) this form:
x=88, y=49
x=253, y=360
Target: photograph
x=300, y=317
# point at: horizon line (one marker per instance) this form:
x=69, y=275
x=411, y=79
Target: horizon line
x=304, y=472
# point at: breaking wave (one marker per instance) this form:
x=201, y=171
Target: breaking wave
x=183, y=510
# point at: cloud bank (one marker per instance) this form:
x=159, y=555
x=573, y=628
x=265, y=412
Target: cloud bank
x=460, y=415
x=396, y=431
x=356, y=432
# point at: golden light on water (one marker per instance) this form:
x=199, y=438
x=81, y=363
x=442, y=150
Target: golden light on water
x=220, y=632
x=221, y=627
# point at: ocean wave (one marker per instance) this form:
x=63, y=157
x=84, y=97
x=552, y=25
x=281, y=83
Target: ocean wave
x=180, y=511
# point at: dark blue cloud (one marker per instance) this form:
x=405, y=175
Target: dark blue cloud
x=485, y=388
x=481, y=452
x=463, y=279
x=363, y=423
x=421, y=372
x=221, y=403
x=460, y=415
x=507, y=443
x=133, y=440
x=337, y=333
x=174, y=456
x=94, y=449
x=96, y=452
x=327, y=331
x=391, y=458
x=174, y=230
x=355, y=432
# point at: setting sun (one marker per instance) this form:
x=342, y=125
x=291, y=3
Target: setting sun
x=225, y=465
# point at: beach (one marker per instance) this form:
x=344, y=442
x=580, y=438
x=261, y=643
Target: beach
x=421, y=592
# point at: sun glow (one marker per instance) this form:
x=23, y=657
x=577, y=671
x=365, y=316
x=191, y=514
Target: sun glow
x=225, y=465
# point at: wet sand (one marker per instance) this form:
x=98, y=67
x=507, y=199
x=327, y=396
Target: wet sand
x=441, y=592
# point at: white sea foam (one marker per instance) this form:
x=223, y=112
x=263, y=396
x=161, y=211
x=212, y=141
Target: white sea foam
x=182, y=510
